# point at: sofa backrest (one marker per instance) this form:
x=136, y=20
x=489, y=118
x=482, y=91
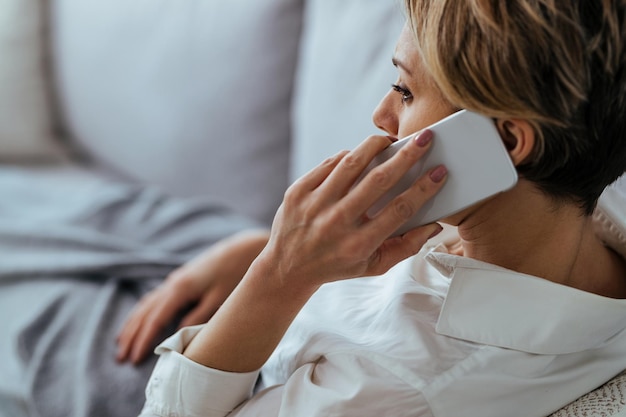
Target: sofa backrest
x=344, y=71
x=196, y=96
x=193, y=95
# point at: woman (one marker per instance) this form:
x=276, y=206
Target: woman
x=520, y=315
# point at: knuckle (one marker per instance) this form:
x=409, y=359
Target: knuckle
x=331, y=160
x=291, y=194
x=402, y=208
x=409, y=152
x=422, y=187
x=425, y=186
x=341, y=154
x=352, y=160
x=182, y=285
x=328, y=161
x=337, y=217
x=380, y=178
x=156, y=321
x=421, y=191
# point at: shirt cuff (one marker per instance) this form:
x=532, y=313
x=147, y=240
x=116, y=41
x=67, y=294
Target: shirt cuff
x=180, y=386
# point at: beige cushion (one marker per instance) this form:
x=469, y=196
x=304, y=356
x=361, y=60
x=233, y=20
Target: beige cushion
x=192, y=96
x=25, y=119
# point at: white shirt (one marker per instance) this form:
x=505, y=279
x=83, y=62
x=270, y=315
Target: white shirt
x=439, y=335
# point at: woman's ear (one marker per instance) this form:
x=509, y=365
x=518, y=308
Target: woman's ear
x=519, y=138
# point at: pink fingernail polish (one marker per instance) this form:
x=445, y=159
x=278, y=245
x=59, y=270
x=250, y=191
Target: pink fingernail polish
x=438, y=174
x=424, y=138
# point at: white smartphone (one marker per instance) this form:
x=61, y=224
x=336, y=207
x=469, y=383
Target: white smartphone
x=478, y=164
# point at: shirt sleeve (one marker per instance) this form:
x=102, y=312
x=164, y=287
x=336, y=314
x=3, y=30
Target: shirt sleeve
x=179, y=386
x=336, y=384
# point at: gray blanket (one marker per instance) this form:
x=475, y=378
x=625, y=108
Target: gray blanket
x=76, y=252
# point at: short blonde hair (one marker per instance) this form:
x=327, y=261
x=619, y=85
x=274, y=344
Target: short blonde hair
x=557, y=64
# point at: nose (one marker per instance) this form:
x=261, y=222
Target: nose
x=385, y=115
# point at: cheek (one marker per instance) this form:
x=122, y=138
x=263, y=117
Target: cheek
x=421, y=114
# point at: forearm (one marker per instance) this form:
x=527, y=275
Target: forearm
x=204, y=282
x=320, y=234
x=234, y=254
x=250, y=324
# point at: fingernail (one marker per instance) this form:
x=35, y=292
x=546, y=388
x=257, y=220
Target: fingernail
x=424, y=138
x=436, y=232
x=438, y=174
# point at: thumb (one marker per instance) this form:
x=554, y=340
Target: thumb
x=399, y=248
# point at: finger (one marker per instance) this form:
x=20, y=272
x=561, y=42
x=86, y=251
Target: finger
x=204, y=310
x=143, y=342
x=403, y=207
x=397, y=249
x=130, y=329
x=384, y=177
x=317, y=175
x=151, y=327
x=352, y=165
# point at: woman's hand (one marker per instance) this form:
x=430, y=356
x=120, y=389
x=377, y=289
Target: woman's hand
x=322, y=233
x=205, y=281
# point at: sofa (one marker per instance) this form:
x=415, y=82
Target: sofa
x=221, y=103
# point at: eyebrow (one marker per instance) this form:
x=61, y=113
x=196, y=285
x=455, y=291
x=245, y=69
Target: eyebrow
x=397, y=63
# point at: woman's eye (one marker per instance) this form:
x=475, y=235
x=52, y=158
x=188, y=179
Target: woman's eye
x=404, y=93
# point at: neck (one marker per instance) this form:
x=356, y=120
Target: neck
x=541, y=238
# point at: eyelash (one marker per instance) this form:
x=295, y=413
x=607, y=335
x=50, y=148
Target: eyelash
x=406, y=94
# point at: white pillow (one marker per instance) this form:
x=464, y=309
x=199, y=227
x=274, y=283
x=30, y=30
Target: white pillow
x=190, y=95
x=344, y=72
x=25, y=119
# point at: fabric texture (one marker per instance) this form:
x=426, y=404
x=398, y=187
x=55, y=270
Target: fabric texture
x=474, y=342
x=25, y=117
x=608, y=400
x=191, y=96
x=77, y=252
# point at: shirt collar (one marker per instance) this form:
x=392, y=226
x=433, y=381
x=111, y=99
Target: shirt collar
x=495, y=306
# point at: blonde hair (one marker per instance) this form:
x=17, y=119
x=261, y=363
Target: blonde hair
x=545, y=61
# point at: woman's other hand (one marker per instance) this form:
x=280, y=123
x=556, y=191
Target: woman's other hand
x=322, y=233
x=204, y=283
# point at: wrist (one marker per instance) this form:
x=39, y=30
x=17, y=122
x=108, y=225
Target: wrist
x=275, y=273
x=247, y=328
